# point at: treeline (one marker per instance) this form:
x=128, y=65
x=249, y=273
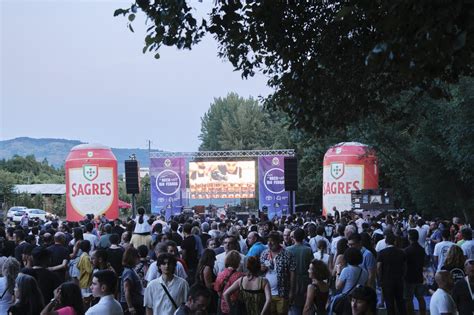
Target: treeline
x=423, y=146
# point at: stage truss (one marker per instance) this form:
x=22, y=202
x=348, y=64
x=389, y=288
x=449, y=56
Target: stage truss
x=224, y=154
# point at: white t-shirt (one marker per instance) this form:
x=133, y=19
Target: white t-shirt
x=156, y=298
x=107, y=306
x=468, y=249
x=272, y=278
x=422, y=233
x=325, y=258
x=6, y=300
x=441, y=250
x=334, y=244
x=94, y=240
x=144, y=227
x=441, y=302
x=359, y=223
x=380, y=245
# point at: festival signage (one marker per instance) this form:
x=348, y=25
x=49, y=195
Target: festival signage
x=272, y=194
x=347, y=166
x=168, y=185
x=91, y=182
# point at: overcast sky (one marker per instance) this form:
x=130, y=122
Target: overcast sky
x=70, y=70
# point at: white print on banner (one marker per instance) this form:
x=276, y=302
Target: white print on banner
x=91, y=189
x=338, y=181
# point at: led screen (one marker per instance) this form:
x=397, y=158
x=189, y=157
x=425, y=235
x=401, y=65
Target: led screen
x=222, y=179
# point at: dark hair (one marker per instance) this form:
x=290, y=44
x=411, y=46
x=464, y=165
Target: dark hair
x=413, y=235
x=78, y=234
x=142, y=251
x=466, y=233
x=275, y=236
x=253, y=266
x=187, y=227
x=141, y=212
x=198, y=290
x=341, y=246
x=108, y=278
x=299, y=235
x=40, y=256
x=174, y=226
x=71, y=296
x=390, y=239
x=101, y=254
x=129, y=257
x=30, y=293
x=85, y=246
x=420, y=222
x=163, y=257
x=445, y=233
x=355, y=237
x=321, y=270
x=114, y=238
x=89, y=227
x=353, y=256
x=208, y=258
x=20, y=234
x=367, y=294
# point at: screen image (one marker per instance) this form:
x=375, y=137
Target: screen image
x=222, y=179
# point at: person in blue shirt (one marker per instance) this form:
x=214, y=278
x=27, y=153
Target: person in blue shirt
x=256, y=246
x=368, y=259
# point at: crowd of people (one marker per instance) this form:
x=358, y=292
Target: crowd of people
x=298, y=264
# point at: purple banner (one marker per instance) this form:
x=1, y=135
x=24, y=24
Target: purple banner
x=271, y=186
x=168, y=185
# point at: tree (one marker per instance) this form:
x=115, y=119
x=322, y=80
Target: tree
x=235, y=123
x=329, y=62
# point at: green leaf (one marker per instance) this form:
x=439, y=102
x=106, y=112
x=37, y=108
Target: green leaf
x=131, y=17
x=120, y=11
x=157, y=56
x=131, y=28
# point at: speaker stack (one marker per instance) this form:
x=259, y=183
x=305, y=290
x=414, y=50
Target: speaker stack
x=132, y=179
x=291, y=174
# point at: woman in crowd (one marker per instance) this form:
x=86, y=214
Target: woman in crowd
x=205, y=276
x=142, y=230
x=454, y=263
x=226, y=278
x=352, y=274
x=10, y=270
x=142, y=267
x=322, y=254
x=339, y=257
x=67, y=301
x=318, y=290
x=254, y=291
x=131, y=289
x=29, y=300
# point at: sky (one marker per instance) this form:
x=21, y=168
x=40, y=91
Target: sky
x=71, y=70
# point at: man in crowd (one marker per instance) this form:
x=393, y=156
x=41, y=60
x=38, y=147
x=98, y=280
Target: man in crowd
x=441, y=302
x=189, y=251
x=59, y=255
x=279, y=267
x=414, y=276
x=368, y=259
x=103, y=286
x=198, y=301
x=463, y=290
x=164, y=295
x=303, y=257
x=468, y=245
x=391, y=268
x=441, y=249
x=255, y=245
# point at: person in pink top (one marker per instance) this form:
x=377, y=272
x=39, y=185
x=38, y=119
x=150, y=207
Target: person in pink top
x=226, y=278
x=67, y=301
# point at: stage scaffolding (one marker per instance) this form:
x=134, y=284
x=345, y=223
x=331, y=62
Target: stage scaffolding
x=224, y=154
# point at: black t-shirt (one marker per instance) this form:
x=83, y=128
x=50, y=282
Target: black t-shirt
x=189, y=245
x=393, y=262
x=175, y=237
x=47, y=281
x=58, y=254
x=204, y=238
x=457, y=273
x=7, y=248
x=415, y=260
x=114, y=258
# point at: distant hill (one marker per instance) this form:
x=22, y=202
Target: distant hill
x=56, y=151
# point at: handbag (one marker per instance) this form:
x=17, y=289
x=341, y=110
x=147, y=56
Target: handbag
x=340, y=302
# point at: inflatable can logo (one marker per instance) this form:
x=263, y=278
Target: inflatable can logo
x=91, y=182
x=347, y=166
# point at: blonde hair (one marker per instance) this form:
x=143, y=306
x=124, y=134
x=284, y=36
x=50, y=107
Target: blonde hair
x=10, y=270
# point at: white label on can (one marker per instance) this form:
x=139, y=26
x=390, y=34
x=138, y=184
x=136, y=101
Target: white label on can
x=91, y=189
x=339, y=180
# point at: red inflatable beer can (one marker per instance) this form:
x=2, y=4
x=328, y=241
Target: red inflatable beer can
x=347, y=166
x=91, y=182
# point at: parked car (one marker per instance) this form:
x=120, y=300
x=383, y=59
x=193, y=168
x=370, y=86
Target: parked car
x=12, y=210
x=32, y=213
